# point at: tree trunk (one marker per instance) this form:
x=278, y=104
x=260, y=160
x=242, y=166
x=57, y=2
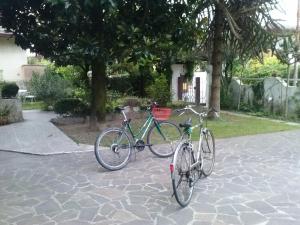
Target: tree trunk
x=217, y=59
x=98, y=94
x=298, y=46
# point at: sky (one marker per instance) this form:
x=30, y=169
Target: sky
x=287, y=12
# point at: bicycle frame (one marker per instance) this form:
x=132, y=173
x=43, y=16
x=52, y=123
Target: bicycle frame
x=189, y=134
x=144, y=129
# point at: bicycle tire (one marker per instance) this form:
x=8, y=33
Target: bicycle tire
x=111, y=154
x=180, y=173
x=208, y=153
x=160, y=146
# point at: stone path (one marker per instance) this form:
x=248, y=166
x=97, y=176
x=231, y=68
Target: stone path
x=36, y=135
x=256, y=181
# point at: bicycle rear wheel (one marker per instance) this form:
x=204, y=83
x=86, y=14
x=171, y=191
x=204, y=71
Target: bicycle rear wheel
x=181, y=175
x=113, y=149
x=208, y=153
x=163, y=138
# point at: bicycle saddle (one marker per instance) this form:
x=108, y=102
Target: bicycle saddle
x=186, y=124
x=119, y=108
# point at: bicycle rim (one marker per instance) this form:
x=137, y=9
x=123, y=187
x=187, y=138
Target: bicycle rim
x=163, y=141
x=181, y=174
x=208, y=153
x=113, y=149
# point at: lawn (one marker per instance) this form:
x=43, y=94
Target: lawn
x=33, y=105
x=232, y=125
x=228, y=126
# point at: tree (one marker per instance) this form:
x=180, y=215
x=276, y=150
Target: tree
x=88, y=32
x=243, y=27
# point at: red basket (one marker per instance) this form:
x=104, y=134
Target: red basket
x=161, y=113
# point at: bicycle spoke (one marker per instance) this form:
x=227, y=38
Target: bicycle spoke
x=181, y=178
x=113, y=149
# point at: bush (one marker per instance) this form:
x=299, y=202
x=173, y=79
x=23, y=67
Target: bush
x=50, y=87
x=71, y=106
x=177, y=104
x=9, y=90
x=122, y=84
x=131, y=101
x=159, y=91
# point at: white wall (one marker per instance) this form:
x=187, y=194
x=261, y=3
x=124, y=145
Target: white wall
x=177, y=70
x=203, y=85
x=275, y=94
x=12, y=58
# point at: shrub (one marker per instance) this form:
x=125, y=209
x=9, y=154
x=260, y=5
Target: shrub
x=177, y=104
x=50, y=87
x=159, y=90
x=122, y=84
x=131, y=101
x=9, y=90
x=4, y=113
x=71, y=106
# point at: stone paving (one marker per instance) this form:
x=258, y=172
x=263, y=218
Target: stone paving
x=37, y=135
x=256, y=181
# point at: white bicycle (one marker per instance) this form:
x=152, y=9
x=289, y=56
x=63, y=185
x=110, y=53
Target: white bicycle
x=190, y=162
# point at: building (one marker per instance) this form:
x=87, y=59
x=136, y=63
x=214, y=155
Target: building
x=14, y=65
x=12, y=57
x=194, y=91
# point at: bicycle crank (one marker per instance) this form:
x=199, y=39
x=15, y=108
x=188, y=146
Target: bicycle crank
x=139, y=145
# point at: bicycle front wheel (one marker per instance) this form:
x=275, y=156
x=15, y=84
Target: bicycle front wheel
x=181, y=175
x=113, y=149
x=162, y=138
x=208, y=153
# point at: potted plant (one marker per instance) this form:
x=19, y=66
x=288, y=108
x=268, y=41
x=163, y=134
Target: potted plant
x=4, y=114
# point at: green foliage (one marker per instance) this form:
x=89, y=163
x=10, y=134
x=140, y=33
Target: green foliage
x=159, y=90
x=225, y=98
x=4, y=111
x=9, y=90
x=50, y=86
x=189, y=69
x=71, y=106
x=177, y=104
x=34, y=105
x=271, y=66
x=131, y=101
x=4, y=114
x=258, y=90
x=2, y=83
x=122, y=84
x=86, y=33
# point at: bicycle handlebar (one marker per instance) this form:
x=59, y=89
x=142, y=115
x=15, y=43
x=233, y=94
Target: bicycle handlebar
x=149, y=108
x=189, y=107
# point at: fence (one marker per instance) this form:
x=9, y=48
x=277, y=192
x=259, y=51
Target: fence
x=271, y=94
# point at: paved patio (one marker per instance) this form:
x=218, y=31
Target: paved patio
x=37, y=135
x=256, y=181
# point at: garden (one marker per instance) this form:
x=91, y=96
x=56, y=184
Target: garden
x=92, y=74
x=62, y=90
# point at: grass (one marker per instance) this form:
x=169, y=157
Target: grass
x=230, y=125
x=33, y=105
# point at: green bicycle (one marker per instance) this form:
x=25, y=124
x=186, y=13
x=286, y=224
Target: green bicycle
x=113, y=147
x=191, y=160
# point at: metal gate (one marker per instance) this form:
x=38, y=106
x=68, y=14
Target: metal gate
x=189, y=92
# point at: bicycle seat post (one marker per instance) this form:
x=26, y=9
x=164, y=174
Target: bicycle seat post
x=124, y=115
